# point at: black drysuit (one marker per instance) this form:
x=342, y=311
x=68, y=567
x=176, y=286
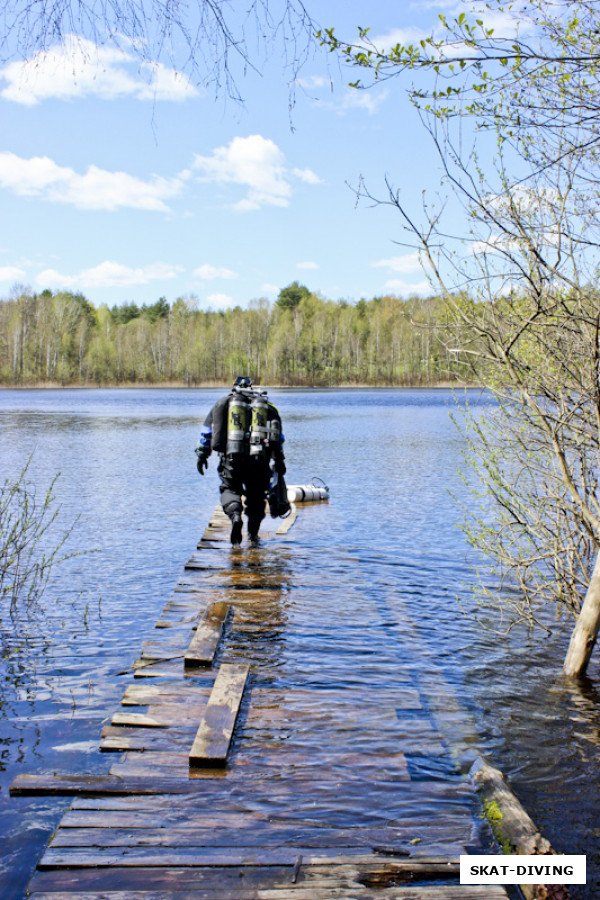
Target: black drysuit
x=241, y=473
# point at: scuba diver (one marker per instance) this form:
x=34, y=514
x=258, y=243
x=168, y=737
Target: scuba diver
x=245, y=429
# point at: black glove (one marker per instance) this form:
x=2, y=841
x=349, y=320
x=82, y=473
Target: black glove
x=202, y=463
x=280, y=467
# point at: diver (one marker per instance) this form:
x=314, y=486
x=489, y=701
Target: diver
x=245, y=429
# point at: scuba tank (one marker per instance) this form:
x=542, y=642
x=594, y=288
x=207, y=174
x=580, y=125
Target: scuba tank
x=259, y=431
x=238, y=424
x=274, y=435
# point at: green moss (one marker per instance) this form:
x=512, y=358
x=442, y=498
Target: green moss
x=492, y=811
x=493, y=814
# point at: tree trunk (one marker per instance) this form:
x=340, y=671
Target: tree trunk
x=586, y=630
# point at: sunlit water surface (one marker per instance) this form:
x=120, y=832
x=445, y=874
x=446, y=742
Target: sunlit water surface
x=391, y=459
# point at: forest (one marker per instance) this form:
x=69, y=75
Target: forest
x=301, y=339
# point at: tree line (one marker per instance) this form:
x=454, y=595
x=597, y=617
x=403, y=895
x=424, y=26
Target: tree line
x=301, y=339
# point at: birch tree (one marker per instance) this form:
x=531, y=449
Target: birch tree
x=514, y=118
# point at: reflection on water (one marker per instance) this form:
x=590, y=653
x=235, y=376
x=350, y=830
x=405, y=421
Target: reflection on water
x=384, y=556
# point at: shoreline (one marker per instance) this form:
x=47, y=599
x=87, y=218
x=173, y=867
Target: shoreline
x=224, y=385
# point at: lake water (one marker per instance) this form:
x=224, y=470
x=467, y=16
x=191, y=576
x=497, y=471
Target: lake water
x=391, y=460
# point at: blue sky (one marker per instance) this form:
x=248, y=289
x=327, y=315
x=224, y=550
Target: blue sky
x=128, y=182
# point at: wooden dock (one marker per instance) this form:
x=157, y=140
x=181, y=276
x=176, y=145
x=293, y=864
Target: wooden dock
x=269, y=745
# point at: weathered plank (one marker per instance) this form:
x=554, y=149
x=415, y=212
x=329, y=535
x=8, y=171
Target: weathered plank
x=215, y=731
x=345, y=877
x=314, y=892
x=138, y=830
x=204, y=643
x=117, y=738
x=183, y=690
x=388, y=798
x=125, y=857
x=165, y=715
x=64, y=785
x=144, y=668
x=140, y=768
x=288, y=521
x=160, y=651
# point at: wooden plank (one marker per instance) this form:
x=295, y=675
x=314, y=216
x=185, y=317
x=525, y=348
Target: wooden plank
x=111, y=878
x=167, y=715
x=288, y=521
x=146, y=668
x=293, y=892
x=203, y=646
x=64, y=785
x=141, y=768
x=137, y=830
x=402, y=696
x=139, y=720
x=142, y=739
x=145, y=694
x=423, y=798
x=215, y=732
x=160, y=652
x=378, y=829
x=255, y=883
x=125, y=857
x=327, y=765
x=222, y=882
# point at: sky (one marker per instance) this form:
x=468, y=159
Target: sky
x=130, y=181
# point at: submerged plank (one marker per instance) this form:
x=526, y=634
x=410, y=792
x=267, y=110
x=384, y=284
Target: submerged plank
x=83, y=857
x=288, y=521
x=213, y=738
x=50, y=783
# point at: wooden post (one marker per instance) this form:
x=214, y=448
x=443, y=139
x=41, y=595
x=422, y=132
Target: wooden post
x=585, y=632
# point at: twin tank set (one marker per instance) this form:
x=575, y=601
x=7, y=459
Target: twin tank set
x=251, y=416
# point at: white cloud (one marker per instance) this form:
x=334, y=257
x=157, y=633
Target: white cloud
x=402, y=264
x=11, y=273
x=399, y=286
x=256, y=163
x=307, y=265
x=307, y=175
x=404, y=36
x=96, y=189
x=363, y=98
x=165, y=84
x=270, y=289
x=79, y=68
x=220, y=301
x=493, y=243
x=504, y=25
x=312, y=82
x=207, y=272
x=436, y=4
x=109, y=274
